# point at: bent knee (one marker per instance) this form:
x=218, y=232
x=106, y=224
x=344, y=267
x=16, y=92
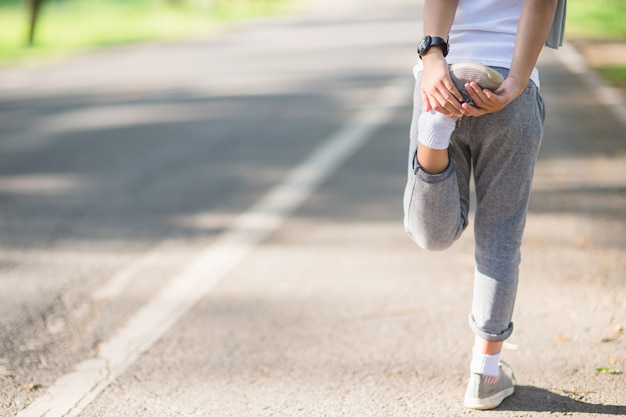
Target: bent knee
x=429, y=242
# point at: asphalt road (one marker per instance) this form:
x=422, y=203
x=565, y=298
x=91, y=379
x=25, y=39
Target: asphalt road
x=214, y=228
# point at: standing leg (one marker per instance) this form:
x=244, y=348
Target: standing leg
x=504, y=147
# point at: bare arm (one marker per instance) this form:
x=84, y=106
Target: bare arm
x=532, y=32
x=438, y=91
x=438, y=17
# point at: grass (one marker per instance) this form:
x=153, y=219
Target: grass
x=599, y=20
x=67, y=26
x=615, y=75
x=596, y=19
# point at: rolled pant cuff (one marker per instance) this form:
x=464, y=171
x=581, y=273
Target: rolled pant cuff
x=424, y=176
x=490, y=337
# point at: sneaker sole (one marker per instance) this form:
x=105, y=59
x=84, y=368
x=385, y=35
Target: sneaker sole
x=489, y=402
x=485, y=77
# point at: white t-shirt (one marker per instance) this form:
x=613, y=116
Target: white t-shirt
x=484, y=31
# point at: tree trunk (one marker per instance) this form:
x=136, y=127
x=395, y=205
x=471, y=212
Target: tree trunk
x=34, y=6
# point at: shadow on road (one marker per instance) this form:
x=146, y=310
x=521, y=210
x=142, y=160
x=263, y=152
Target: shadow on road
x=528, y=398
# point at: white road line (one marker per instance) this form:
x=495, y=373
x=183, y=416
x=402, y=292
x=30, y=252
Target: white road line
x=609, y=96
x=73, y=392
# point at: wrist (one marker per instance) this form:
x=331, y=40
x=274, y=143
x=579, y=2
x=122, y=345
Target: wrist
x=434, y=59
x=433, y=53
x=520, y=82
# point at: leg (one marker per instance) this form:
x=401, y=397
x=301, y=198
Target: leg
x=432, y=161
x=505, y=151
x=436, y=198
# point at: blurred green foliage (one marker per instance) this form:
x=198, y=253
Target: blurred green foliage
x=600, y=19
x=65, y=26
x=68, y=25
x=615, y=75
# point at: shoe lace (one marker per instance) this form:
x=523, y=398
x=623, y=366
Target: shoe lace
x=507, y=366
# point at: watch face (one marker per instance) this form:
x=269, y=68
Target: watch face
x=424, y=44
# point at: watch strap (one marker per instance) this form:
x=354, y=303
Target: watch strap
x=441, y=42
x=429, y=41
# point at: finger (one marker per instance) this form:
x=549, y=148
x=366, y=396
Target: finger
x=450, y=109
x=426, y=103
x=452, y=89
x=439, y=104
x=491, y=96
x=499, y=98
x=476, y=94
x=450, y=103
x=473, y=111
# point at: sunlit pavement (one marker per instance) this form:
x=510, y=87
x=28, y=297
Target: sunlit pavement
x=125, y=172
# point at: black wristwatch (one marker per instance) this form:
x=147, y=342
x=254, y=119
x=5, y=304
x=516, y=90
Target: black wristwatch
x=428, y=41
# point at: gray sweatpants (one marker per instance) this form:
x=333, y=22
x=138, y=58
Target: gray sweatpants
x=501, y=148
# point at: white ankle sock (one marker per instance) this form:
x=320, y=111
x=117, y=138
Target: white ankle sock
x=434, y=129
x=485, y=364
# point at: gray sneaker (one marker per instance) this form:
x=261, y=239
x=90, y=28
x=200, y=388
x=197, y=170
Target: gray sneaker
x=484, y=76
x=483, y=396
